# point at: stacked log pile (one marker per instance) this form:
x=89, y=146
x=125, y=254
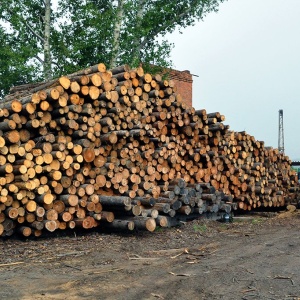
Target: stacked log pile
x=257, y=176
x=119, y=148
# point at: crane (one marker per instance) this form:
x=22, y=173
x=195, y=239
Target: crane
x=280, y=132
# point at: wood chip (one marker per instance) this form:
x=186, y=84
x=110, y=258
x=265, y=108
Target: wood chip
x=157, y=296
x=181, y=274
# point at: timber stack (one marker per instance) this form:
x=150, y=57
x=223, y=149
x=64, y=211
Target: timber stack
x=120, y=149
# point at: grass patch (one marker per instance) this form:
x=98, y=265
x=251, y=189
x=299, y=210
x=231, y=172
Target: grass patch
x=257, y=221
x=159, y=229
x=199, y=228
x=239, y=220
x=224, y=225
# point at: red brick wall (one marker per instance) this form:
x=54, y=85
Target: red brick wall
x=184, y=85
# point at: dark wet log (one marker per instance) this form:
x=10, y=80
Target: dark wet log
x=120, y=225
x=114, y=200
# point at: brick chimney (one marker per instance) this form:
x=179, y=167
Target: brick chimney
x=184, y=84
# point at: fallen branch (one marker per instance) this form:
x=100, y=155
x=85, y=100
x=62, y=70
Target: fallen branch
x=181, y=274
x=284, y=277
x=12, y=264
x=185, y=251
x=72, y=267
x=105, y=271
x=157, y=296
x=137, y=257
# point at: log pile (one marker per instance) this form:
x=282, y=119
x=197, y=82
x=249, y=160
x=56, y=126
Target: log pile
x=257, y=176
x=120, y=149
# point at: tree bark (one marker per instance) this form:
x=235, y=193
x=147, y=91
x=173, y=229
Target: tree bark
x=117, y=32
x=47, y=52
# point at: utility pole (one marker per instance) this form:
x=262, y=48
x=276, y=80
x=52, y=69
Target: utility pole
x=280, y=132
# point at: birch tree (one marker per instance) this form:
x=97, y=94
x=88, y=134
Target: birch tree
x=49, y=42
x=127, y=31
x=28, y=23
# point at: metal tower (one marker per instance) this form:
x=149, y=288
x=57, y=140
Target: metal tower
x=280, y=132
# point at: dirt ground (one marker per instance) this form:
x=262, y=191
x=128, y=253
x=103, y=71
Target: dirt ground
x=254, y=257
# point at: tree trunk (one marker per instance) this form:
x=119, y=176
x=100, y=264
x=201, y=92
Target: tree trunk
x=47, y=52
x=136, y=59
x=117, y=31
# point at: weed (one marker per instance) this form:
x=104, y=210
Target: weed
x=257, y=221
x=200, y=228
x=224, y=225
x=238, y=220
x=158, y=229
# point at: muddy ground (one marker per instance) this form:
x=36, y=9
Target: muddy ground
x=254, y=257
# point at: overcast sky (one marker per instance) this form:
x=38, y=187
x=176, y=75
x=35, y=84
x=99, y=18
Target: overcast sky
x=247, y=57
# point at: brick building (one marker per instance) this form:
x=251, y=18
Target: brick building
x=184, y=84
